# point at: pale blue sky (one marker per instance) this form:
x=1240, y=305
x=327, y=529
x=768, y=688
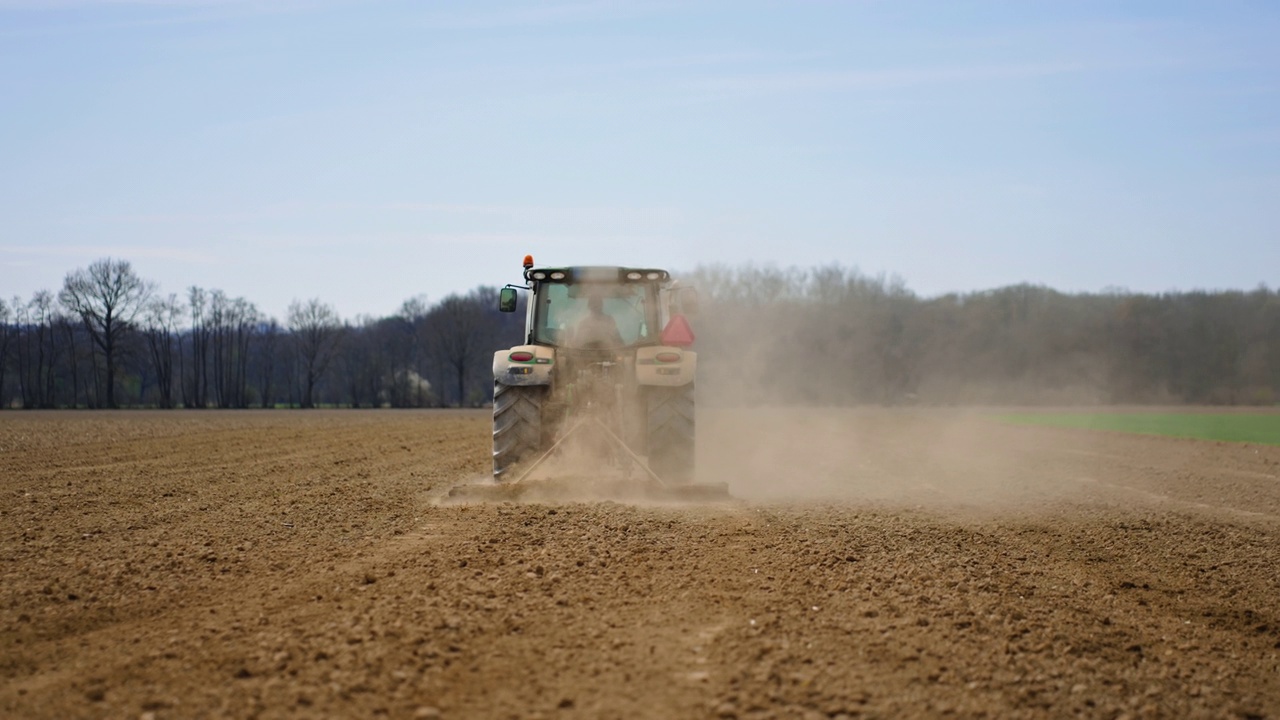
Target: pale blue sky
x=366, y=152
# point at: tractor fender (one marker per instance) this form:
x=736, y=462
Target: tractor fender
x=536, y=370
x=665, y=366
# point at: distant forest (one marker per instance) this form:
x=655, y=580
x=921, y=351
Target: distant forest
x=822, y=336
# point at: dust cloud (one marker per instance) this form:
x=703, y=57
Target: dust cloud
x=930, y=457
x=810, y=397
x=960, y=459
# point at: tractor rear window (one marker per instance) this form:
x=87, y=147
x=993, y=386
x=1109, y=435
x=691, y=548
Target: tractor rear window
x=586, y=314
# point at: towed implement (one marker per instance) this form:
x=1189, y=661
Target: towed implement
x=599, y=398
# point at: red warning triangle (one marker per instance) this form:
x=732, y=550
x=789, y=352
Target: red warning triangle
x=677, y=333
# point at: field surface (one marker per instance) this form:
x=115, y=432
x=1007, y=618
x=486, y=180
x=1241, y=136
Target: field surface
x=1253, y=427
x=876, y=564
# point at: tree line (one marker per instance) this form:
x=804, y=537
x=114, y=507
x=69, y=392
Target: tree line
x=828, y=336
x=832, y=335
x=109, y=339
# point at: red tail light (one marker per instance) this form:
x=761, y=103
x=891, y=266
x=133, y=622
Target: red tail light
x=520, y=356
x=667, y=357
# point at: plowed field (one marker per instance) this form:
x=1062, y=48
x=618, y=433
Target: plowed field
x=876, y=564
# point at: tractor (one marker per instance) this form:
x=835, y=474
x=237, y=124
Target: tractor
x=605, y=359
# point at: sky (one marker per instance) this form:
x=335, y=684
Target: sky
x=365, y=152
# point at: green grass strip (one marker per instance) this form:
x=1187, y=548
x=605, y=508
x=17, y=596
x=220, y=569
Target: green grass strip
x=1241, y=427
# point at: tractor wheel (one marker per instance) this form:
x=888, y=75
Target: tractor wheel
x=517, y=425
x=671, y=433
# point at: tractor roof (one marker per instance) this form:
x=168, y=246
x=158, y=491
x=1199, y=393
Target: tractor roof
x=596, y=274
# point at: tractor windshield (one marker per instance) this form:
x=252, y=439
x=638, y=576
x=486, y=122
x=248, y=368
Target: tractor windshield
x=601, y=315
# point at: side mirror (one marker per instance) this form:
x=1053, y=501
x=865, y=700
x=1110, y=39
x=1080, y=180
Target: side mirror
x=687, y=299
x=507, y=299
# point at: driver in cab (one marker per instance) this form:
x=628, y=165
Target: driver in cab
x=597, y=328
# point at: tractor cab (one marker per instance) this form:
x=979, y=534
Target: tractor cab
x=606, y=343
x=595, y=306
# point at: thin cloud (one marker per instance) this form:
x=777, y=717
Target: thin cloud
x=403, y=244
x=190, y=219
x=185, y=219
x=1261, y=137
x=44, y=16
x=537, y=14
x=808, y=81
x=523, y=214
x=533, y=213
x=343, y=243
x=131, y=252
x=83, y=4
x=498, y=239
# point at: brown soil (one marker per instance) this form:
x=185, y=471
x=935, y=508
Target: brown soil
x=878, y=564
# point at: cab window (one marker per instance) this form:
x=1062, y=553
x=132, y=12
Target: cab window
x=561, y=306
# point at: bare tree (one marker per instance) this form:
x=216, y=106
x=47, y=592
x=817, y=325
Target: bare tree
x=161, y=331
x=44, y=315
x=72, y=335
x=247, y=321
x=5, y=335
x=266, y=365
x=219, y=306
x=360, y=362
x=454, y=328
x=409, y=386
x=196, y=393
x=107, y=297
x=231, y=322
x=316, y=330
x=36, y=349
x=22, y=361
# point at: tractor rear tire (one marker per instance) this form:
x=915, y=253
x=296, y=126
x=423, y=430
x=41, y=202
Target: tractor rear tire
x=517, y=426
x=672, y=425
